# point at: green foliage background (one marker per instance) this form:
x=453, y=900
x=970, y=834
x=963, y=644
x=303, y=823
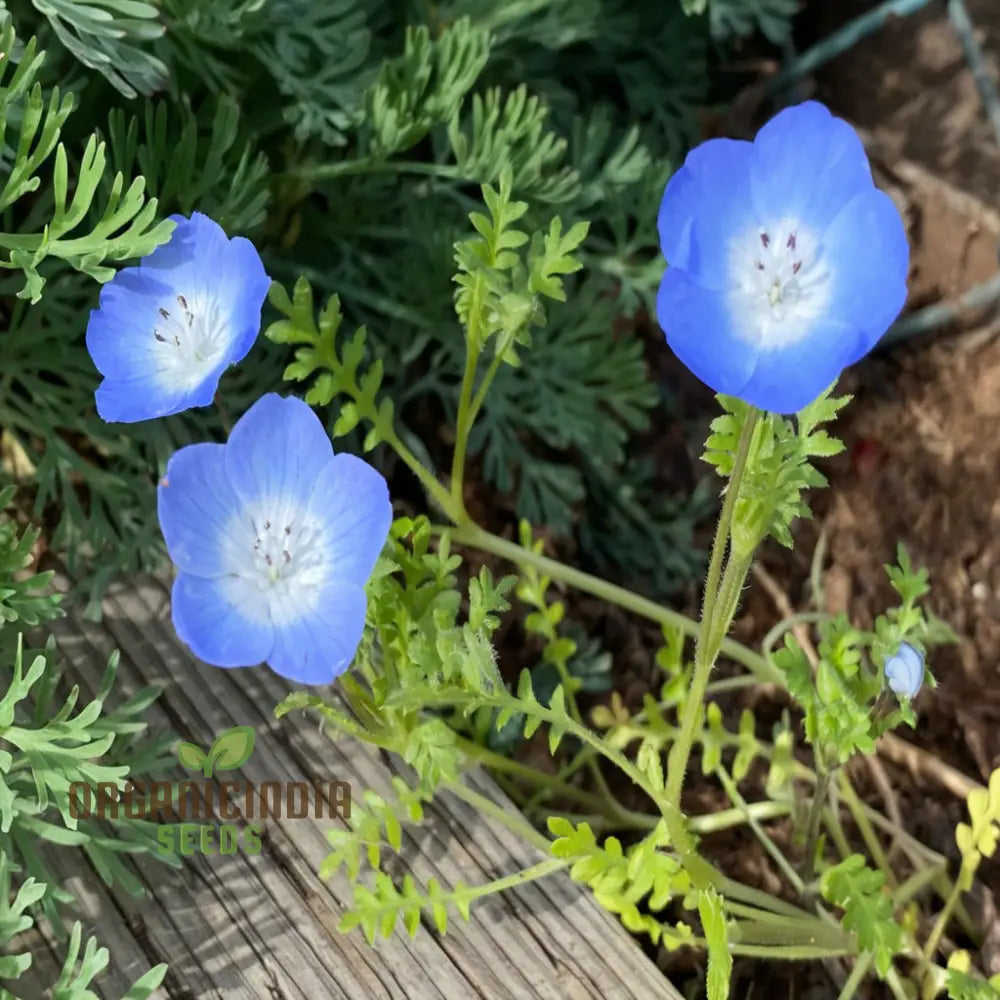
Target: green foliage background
x=348, y=139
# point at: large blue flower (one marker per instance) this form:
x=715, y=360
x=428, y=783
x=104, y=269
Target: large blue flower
x=786, y=264
x=274, y=537
x=167, y=329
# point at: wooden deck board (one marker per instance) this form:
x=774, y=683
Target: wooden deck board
x=263, y=927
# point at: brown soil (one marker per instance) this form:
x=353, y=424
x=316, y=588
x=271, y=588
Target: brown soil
x=922, y=464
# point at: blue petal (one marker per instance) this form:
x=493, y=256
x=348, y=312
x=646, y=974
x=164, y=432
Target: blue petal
x=202, y=265
x=788, y=378
x=200, y=257
x=275, y=450
x=699, y=330
x=319, y=646
x=119, y=333
x=223, y=621
x=866, y=250
x=904, y=671
x=199, y=513
x=706, y=205
x=807, y=165
x=352, y=501
x=675, y=218
x=192, y=255
x=128, y=401
x=243, y=280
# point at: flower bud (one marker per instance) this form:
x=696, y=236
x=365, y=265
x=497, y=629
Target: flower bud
x=904, y=671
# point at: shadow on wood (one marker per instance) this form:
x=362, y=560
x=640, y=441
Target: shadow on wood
x=263, y=927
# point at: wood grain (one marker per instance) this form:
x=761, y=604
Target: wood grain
x=263, y=927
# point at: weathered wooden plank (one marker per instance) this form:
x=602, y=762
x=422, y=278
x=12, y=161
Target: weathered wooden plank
x=246, y=926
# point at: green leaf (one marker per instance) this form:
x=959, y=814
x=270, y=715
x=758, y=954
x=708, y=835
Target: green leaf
x=231, y=749
x=720, y=959
x=190, y=756
x=867, y=908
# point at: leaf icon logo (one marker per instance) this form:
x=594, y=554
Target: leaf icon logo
x=230, y=750
x=191, y=756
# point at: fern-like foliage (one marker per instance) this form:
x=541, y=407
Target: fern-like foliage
x=739, y=18
x=418, y=640
x=78, y=971
x=840, y=695
x=423, y=87
x=379, y=909
x=779, y=465
x=624, y=880
x=48, y=742
x=374, y=822
x=978, y=838
x=857, y=889
x=196, y=161
x=123, y=226
x=111, y=37
x=25, y=598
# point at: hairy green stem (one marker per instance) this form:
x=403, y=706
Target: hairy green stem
x=433, y=488
x=547, y=783
x=858, y=973
x=476, y=537
x=463, y=425
x=706, y=649
x=937, y=931
x=541, y=870
x=768, y=844
x=867, y=833
x=813, y=823
x=512, y=821
x=790, y=953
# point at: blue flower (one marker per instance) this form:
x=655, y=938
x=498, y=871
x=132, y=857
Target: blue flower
x=904, y=671
x=166, y=330
x=786, y=264
x=274, y=537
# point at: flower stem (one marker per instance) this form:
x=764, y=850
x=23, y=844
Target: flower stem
x=476, y=537
x=463, y=425
x=813, y=823
x=541, y=870
x=706, y=650
x=937, y=932
x=766, y=842
x=513, y=822
x=858, y=973
x=868, y=834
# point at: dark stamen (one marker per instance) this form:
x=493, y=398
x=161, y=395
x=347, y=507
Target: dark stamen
x=267, y=525
x=182, y=302
x=288, y=529
x=163, y=312
x=760, y=266
x=765, y=240
x=791, y=241
x=796, y=266
x=159, y=336
x=287, y=556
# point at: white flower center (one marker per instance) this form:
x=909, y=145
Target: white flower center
x=279, y=564
x=191, y=338
x=780, y=284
